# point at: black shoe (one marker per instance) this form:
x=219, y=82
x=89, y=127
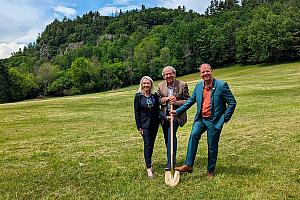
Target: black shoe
x=167, y=168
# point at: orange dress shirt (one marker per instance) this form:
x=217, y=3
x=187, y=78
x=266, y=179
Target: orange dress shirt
x=206, y=106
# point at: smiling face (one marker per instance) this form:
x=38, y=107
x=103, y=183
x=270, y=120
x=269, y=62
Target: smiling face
x=206, y=72
x=146, y=85
x=169, y=76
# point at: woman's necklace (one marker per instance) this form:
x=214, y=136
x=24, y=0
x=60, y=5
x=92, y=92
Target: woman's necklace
x=150, y=101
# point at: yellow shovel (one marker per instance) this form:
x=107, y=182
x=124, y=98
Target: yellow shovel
x=172, y=177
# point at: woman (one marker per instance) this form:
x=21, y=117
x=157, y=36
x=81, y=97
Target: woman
x=146, y=110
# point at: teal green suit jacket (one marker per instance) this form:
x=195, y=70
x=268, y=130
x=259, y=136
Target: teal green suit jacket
x=222, y=102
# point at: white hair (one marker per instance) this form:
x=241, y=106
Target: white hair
x=168, y=67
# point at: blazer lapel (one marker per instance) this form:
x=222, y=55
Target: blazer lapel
x=212, y=94
x=201, y=92
x=165, y=89
x=176, y=88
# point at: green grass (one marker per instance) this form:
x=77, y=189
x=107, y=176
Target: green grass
x=87, y=147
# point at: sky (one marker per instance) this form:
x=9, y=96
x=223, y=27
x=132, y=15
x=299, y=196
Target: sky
x=21, y=21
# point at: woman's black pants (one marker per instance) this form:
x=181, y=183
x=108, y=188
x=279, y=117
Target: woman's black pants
x=149, y=137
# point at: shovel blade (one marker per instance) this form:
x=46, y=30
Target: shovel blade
x=172, y=179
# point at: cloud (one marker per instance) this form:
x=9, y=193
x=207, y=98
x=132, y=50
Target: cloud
x=22, y=21
x=7, y=48
x=118, y=5
x=195, y=5
x=121, y=2
x=17, y=20
x=68, y=12
x=20, y=24
x=111, y=9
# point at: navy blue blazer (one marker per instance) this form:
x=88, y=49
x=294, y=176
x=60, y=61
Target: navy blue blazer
x=222, y=101
x=145, y=116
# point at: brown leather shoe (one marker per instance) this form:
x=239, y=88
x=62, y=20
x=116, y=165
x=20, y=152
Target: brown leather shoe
x=184, y=168
x=210, y=175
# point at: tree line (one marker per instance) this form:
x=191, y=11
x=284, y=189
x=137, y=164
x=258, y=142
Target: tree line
x=93, y=53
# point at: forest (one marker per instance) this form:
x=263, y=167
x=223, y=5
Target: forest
x=94, y=53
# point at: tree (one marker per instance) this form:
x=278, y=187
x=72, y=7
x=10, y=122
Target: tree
x=231, y=4
x=45, y=75
x=268, y=37
x=23, y=84
x=80, y=74
x=113, y=76
x=5, y=86
x=144, y=56
x=165, y=56
x=213, y=45
x=61, y=85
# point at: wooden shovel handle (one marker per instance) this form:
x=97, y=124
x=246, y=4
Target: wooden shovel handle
x=171, y=137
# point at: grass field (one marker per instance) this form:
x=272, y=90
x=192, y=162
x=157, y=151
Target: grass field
x=87, y=147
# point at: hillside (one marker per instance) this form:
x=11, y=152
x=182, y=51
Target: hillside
x=94, y=53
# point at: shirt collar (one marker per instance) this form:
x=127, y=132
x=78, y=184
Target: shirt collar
x=171, y=86
x=208, y=87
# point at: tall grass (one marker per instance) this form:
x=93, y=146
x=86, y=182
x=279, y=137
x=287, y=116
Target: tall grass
x=87, y=147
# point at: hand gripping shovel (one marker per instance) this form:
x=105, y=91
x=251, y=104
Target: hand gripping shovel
x=172, y=177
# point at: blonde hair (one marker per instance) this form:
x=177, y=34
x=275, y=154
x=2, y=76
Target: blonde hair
x=168, y=67
x=141, y=85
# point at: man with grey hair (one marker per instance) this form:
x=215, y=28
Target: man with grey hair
x=175, y=92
